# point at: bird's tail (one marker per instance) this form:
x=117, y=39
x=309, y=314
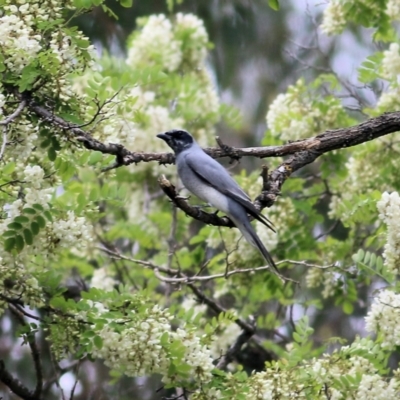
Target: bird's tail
x=252, y=237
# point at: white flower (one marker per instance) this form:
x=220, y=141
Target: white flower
x=391, y=62
x=389, y=213
x=334, y=18
x=194, y=38
x=34, y=175
x=383, y=318
x=18, y=42
x=374, y=387
x=389, y=100
x=155, y=45
x=72, y=231
x=102, y=280
x=393, y=10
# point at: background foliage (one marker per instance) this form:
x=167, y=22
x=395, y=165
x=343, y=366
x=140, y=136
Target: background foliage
x=107, y=290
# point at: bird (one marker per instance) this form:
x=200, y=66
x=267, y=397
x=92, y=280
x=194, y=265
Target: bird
x=210, y=181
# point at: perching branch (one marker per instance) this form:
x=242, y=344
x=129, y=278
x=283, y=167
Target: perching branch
x=301, y=152
x=306, y=150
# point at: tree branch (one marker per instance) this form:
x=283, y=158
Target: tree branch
x=30, y=338
x=302, y=152
x=306, y=150
x=15, y=385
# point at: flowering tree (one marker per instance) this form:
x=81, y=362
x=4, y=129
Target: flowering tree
x=100, y=263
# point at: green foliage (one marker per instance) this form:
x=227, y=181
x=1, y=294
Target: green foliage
x=156, y=292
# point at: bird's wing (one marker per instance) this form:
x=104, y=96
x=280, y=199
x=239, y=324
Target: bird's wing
x=215, y=175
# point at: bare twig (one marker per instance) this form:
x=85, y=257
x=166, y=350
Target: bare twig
x=3, y=143
x=15, y=114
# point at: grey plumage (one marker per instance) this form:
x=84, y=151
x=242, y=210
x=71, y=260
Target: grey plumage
x=209, y=180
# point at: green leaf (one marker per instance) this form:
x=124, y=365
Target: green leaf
x=29, y=210
x=41, y=221
x=98, y=342
x=37, y=206
x=9, y=244
x=19, y=243
x=51, y=153
x=95, y=157
x=9, y=233
x=274, y=4
x=15, y=225
x=21, y=219
x=126, y=3
x=48, y=215
x=28, y=236
x=35, y=228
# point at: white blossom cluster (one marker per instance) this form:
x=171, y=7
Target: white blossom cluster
x=155, y=45
x=373, y=387
x=389, y=100
x=102, y=279
x=17, y=282
x=225, y=337
x=391, y=62
x=359, y=180
x=18, y=41
x=389, y=213
x=138, y=349
x=393, y=10
x=23, y=132
x=23, y=40
x=72, y=231
x=191, y=32
x=161, y=43
x=295, y=115
x=383, y=318
x=334, y=19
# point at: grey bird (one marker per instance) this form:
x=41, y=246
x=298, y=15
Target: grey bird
x=209, y=180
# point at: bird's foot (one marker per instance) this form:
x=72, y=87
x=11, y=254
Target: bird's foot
x=182, y=197
x=201, y=206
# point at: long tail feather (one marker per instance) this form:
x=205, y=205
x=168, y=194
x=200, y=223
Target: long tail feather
x=252, y=237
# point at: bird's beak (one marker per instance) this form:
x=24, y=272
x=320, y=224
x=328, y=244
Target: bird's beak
x=163, y=136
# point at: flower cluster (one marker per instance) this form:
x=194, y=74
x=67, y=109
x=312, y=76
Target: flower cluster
x=373, y=387
x=142, y=345
x=383, y=318
x=18, y=41
x=389, y=213
x=64, y=334
x=389, y=100
x=155, y=45
x=190, y=31
x=17, y=283
x=72, y=231
x=334, y=19
x=161, y=43
x=296, y=115
x=391, y=62
x=101, y=279
x=393, y=10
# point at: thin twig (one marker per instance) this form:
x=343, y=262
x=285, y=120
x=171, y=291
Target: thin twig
x=15, y=114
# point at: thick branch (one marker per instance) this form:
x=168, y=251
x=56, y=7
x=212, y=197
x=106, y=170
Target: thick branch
x=302, y=152
x=15, y=385
x=327, y=141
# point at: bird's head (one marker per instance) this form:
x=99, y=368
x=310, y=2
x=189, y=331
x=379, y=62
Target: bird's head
x=178, y=139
